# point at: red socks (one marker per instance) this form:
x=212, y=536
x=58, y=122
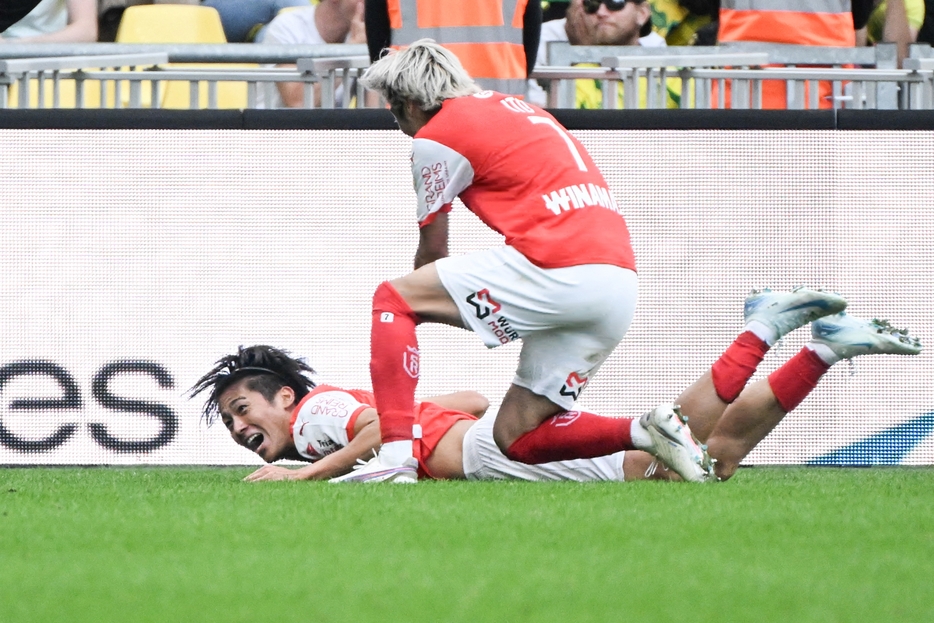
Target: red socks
x=736, y=366
x=797, y=378
x=393, y=363
x=791, y=383
x=572, y=435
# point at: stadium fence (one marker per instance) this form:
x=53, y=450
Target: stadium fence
x=236, y=75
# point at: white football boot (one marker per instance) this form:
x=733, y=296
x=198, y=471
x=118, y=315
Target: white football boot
x=786, y=311
x=675, y=446
x=848, y=337
x=375, y=470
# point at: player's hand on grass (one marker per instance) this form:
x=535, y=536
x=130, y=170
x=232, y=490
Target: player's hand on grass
x=273, y=472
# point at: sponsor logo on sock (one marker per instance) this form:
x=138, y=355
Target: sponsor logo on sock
x=565, y=419
x=573, y=385
x=410, y=361
x=483, y=303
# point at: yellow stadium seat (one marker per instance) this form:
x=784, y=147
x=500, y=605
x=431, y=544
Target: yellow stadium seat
x=180, y=23
x=170, y=23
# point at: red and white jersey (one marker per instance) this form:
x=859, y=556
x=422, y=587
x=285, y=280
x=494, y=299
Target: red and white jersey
x=525, y=176
x=323, y=422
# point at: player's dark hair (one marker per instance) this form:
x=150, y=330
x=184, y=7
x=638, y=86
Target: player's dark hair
x=266, y=369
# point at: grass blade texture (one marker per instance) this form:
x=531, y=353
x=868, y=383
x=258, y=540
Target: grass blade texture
x=197, y=544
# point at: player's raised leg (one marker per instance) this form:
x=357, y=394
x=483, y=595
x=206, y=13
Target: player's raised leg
x=762, y=405
x=769, y=316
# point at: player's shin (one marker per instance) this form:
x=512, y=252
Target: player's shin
x=737, y=364
x=761, y=407
x=394, y=369
x=572, y=435
x=797, y=378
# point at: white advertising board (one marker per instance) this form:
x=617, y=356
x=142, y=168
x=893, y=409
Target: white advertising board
x=132, y=260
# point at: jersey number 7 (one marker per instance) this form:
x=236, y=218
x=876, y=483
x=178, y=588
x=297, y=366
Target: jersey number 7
x=564, y=135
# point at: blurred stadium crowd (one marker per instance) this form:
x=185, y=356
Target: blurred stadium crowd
x=500, y=42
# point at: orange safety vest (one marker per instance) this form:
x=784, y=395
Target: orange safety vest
x=477, y=31
x=797, y=22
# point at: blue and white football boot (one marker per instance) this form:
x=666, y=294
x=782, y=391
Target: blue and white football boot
x=849, y=336
x=786, y=311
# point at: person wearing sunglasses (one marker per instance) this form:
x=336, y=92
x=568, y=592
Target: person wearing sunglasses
x=600, y=22
x=619, y=23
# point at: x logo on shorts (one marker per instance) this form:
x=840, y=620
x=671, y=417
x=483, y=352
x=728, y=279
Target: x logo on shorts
x=483, y=303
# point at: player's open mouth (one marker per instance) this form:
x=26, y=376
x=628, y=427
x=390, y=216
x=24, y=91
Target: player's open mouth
x=254, y=441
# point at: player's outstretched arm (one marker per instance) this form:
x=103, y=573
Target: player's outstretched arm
x=366, y=441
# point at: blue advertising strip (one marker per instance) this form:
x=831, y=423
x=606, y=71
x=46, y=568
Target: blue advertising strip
x=888, y=447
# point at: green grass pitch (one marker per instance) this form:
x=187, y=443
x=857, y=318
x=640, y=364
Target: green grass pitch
x=196, y=544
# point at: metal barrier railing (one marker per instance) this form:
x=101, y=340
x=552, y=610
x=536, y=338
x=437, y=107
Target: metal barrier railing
x=746, y=86
x=56, y=69
x=880, y=57
x=860, y=87
x=141, y=79
x=263, y=54
x=655, y=70
x=143, y=75
x=326, y=69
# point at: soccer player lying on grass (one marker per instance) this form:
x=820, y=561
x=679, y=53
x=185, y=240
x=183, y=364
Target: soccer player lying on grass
x=271, y=407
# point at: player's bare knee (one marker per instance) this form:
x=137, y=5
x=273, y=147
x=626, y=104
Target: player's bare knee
x=509, y=427
x=503, y=436
x=729, y=452
x=724, y=470
x=400, y=285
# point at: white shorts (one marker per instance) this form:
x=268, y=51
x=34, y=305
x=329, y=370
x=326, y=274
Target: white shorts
x=483, y=460
x=569, y=319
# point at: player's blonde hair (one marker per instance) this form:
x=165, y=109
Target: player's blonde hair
x=424, y=73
